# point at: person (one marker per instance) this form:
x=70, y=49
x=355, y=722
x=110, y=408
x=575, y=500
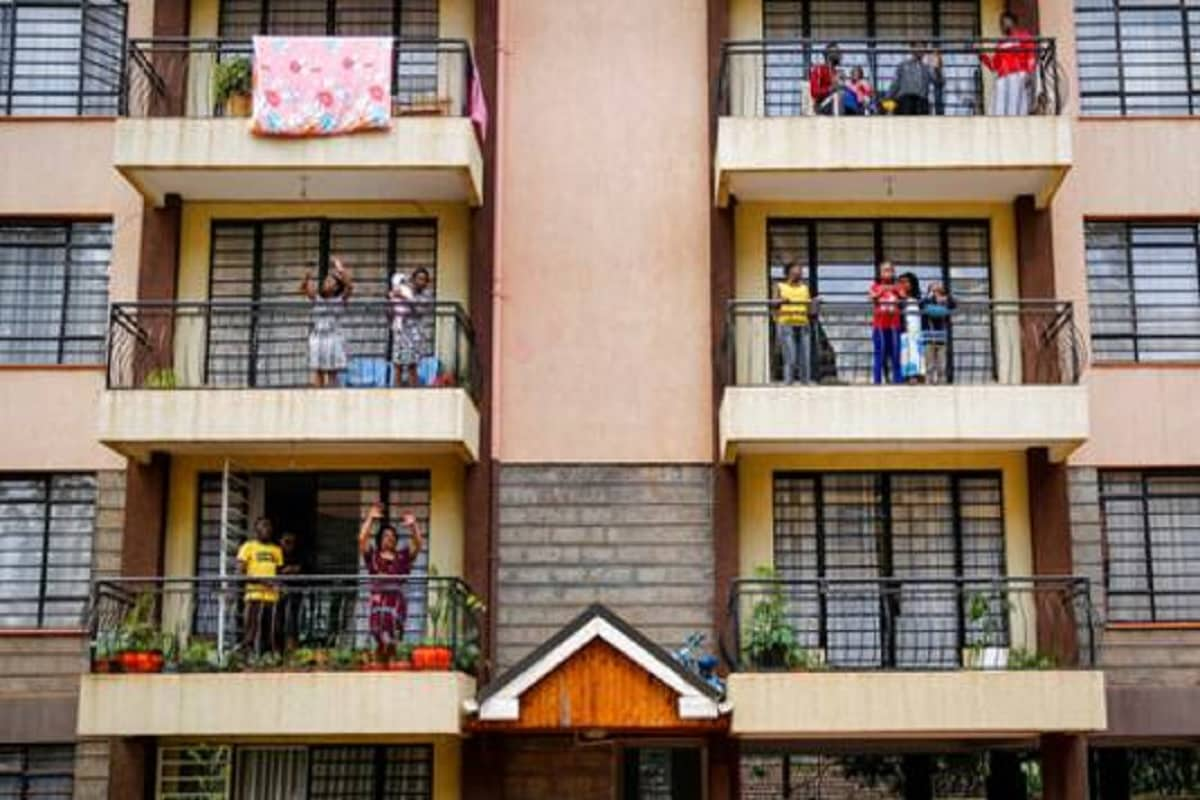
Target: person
x=913, y=82
x=389, y=563
x=824, y=80
x=412, y=336
x=935, y=325
x=1014, y=63
x=291, y=598
x=793, y=304
x=260, y=558
x=859, y=92
x=327, y=342
x=912, y=366
x=933, y=60
x=884, y=295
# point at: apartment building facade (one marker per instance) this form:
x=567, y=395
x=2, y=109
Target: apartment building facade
x=977, y=583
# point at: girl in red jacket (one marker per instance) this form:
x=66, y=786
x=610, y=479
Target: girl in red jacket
x=1013, y=62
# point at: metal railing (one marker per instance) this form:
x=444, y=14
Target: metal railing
x=916, y=623
x=247, y=344
x=318, y=622
x=771, y=78
x=980, y=342
x=61, y=58
x=173, y=77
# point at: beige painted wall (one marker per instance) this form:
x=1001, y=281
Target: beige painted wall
x=446, y=526
x=1125, y=168
x=603, y=248
x=52, y=414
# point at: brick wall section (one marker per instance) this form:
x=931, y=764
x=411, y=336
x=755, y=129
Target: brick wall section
x=110, y=522
x=636, y=538
x=91, y=769
x=1129, y=657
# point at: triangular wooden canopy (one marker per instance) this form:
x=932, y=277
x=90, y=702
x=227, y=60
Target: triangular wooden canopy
x=599, y=673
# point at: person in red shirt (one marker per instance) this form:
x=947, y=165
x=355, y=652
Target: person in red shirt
x=824, y=79
x=885, y=295
x=1014, y=62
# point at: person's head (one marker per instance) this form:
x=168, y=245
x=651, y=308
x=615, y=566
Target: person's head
x=263, y=529
x=857, y=74
x=887, y=273
x=287, y=542
x=912, y=287
x=937, y=289
x=420, y=279
x=795, y=272
x=918, y=50
x=1008, y=21
x=388, y=538
x=833, y=54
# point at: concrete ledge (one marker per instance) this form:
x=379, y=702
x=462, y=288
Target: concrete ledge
x=137, y=422
x=916, y=704
x=434, y=159
x=1141, y=714
x=860, y=418
x=278, y=704
x=849, y=159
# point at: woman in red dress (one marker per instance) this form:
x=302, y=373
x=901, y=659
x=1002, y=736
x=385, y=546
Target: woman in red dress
x=388, y=564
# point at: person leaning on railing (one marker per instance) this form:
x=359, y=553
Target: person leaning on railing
x=824, y=81
x=260, y=558
x=793, y=303
x=1014, y=63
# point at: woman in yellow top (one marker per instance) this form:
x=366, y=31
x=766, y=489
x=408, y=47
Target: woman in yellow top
x=793, y=305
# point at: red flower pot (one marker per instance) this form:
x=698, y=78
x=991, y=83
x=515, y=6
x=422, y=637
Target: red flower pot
x=399, y=666
x=102, y=666
x=429, y=657
x=153, y=661
x=130, y=661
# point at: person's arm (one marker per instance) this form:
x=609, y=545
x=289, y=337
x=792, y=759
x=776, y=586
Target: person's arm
x=342, y=273
x=368, y=527
x=243, y=559
x=417, y=540
x=939, y=77
x=306, y=286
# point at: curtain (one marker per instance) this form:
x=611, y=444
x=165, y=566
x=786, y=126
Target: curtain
x=271, y=773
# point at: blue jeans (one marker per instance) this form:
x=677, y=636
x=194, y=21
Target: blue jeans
x=796, y=343
x=886, y=345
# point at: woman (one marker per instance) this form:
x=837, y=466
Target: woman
x=327, y=342
x=390, y=564
x=792, y=306
x=412, y=332
x=912, y=366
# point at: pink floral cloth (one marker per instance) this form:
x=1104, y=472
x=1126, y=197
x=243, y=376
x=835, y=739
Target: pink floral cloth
x=321, y=85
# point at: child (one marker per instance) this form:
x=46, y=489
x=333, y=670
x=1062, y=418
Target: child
x=885, y=299
x=793, y=303
x=911, y=352
x=859, y=92
x=935, y=324
x=260, y=558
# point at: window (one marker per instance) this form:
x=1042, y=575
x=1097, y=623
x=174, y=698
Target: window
x=37, y=772
x=1138, y=57
x=1152, y=545
x=1144, y=290
x=53, y=291
x=872, y=525
x=842, y=256
x=46, y=527
x=60, y=57
x=254, y=260
x=661, y=773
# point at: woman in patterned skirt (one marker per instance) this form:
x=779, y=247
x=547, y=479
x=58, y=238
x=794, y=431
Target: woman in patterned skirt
x=327, y=341
x=389, y=564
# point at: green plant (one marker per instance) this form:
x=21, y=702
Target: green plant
x=1020, y=658
x=769, y=641
x=231, y=77
x=138, y=632
x=264, y=662
x=467, y=658
x=343, y=658
x=163, y=378
x=200, y=655
x=208, y=769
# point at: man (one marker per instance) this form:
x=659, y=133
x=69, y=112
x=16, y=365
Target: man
x=1013, y=62
x=291, y=593
x=824, y=80
x=260, y=558
x=914, y=79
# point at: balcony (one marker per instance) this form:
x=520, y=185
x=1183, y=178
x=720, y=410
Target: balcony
x=1011, y=381
x=226, y=377
x=175, y=138
x=192, y=657
x=919, y=657
x=775, y=143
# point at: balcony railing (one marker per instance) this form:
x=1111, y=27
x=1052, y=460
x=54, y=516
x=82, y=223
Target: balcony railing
x=771, y=78
x=173, y=77
x=980, y=342
x=917, y=623
x=314, y=622
x=247, y=344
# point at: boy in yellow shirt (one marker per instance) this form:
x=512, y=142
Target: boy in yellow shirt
x=793, y=303
x=260, y=558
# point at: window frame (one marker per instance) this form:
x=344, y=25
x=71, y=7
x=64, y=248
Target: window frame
x=1135, y=339
x=26, y=774
x=1142, y=498
x=331, y=17
x=47, y=480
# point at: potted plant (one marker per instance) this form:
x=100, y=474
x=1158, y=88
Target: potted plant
x=104, y=654
x=986, y=650
x=232, y=84
x=1020, y=658
x=343, y=658
x=769, y=641
x=162, y=378
x=402, y=660
x=200, y=655
x=141, y=644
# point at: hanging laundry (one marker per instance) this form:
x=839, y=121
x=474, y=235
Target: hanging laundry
x=477, y=104
x=321, y=85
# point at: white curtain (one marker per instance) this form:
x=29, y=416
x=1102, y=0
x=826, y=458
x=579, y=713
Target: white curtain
x=271, y=773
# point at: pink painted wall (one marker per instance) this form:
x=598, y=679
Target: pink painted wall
x=604, y=205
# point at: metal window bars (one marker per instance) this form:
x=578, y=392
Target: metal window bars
x=771, y=78
x=985, y=342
